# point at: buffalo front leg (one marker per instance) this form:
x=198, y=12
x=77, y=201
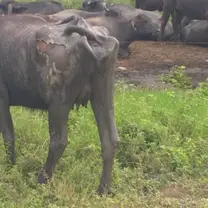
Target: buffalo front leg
x=102, y=102
x=58, y=119
x=7, y=130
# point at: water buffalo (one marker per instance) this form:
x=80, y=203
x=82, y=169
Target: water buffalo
x=42, y=7
x=151, y=20
x=178, y=9
x=93, y=5
x=150, y=5
x=125, y=23
x=139, y=27
x=53, y=67
x=196, y=32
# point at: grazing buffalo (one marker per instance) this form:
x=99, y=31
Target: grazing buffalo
x=191, y=9
x=93, y=5
x=42, y=7
x=150, y=5
x=196, y=32
x=53, y=67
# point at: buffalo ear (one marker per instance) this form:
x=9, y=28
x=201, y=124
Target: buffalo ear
x=132, y=22
x=137, y=21
x=110, y=12
x=41, y=46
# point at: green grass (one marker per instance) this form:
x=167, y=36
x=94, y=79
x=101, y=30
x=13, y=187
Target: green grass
x=164, y=141
x=162, y=160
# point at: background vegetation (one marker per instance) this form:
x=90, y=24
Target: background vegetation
x=78, y=3
x=162, y=160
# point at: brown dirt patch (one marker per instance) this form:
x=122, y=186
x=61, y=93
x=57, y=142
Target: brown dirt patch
x=175, y=191
x=191, y=194
x=151, y=59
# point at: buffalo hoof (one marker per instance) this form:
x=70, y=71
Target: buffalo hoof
x=105, y=191
x=160, y=38
x=12, y=160
x=43, y=178
x=177, y=38
x=124, y=53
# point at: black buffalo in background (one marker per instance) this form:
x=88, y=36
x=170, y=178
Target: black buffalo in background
x=42, y=7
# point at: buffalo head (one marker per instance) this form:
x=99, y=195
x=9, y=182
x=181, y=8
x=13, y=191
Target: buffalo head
x=145, y=27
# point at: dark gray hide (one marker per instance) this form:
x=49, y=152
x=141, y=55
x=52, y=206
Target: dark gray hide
x=121, y=29
x=125, y=23
x=192, y=9
x=93, y=5
x=153, y=27
x=52, y=67
x=146, y=24
x=142, y=25
x=196, y=32
x=60, y=16
x=42, y=7
x=150, y=5
x=185, y=21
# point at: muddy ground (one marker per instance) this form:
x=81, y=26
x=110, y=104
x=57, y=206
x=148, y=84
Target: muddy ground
x=149, y=60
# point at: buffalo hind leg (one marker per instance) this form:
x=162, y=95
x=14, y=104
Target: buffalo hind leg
x=177, y=19
x=168, y=9
x=7, y=130
x=58, y=119
x=206, y=15
x=124, y=52
x=164, y=20
x=102, y=102
x=185, y=21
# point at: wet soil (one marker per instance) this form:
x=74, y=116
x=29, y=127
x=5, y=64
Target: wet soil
x=149, y=60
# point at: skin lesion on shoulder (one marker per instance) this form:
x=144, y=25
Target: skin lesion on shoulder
x=55, y=76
